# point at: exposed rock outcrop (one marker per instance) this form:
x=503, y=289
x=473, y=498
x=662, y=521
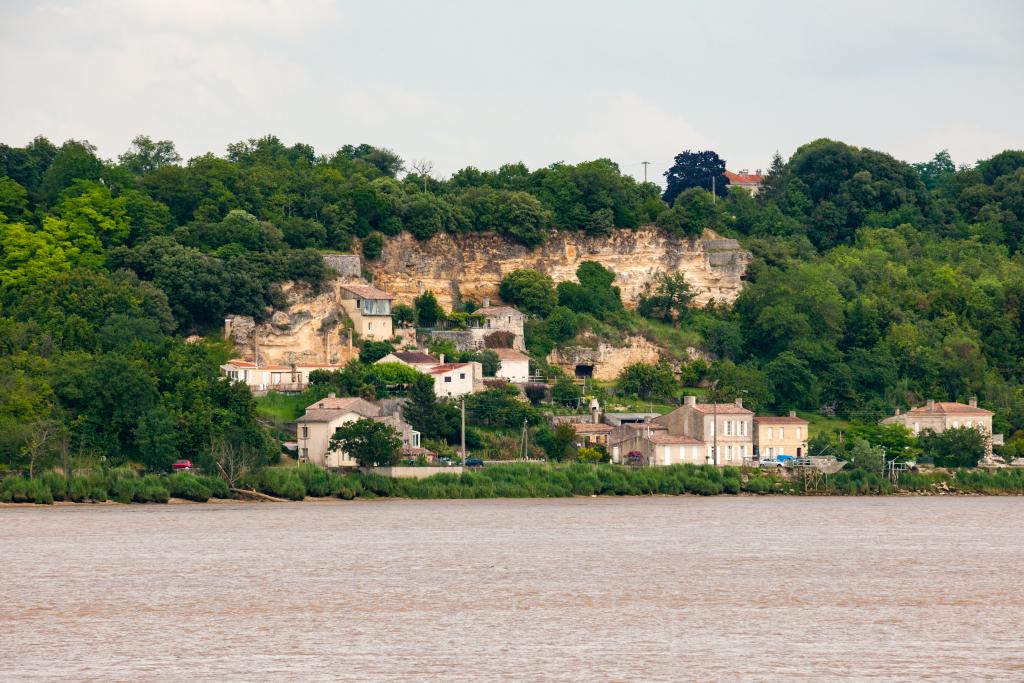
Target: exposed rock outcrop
x=472, y=265
x=603, y=361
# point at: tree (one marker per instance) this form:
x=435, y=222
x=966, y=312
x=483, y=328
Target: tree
x=936, y=171
x=369, y=442
x=490, y=363
x=692, y=212
x=373, y=246
x=41, y=441
x=868, y=457
x=954, y=447
x=428, y=311
x=421, y=410
x=594, y=293
x=558, y=442
x=666, y=298
x=403, y=315
x=146, y=156
x=532, y=291
x=648, y=381
x=565, y=392
x=373, y=351
x=695, y=169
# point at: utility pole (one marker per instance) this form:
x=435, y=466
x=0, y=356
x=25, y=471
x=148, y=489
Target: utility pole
x=646, y=164
x=713, y=196
x=526, y=435
x=463, y=432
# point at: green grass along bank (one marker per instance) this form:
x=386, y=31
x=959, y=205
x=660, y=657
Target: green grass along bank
x=514, y=480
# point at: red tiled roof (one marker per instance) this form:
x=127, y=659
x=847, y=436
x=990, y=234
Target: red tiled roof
x=241, y=363
x=495, y=310
x=327, y=409
x=723, y=409
x=665, y=438
x=510, y=354
x=949, y=408
x=744, y=178
x=784, y=420
x=417, y=357
x=591, y=428
x=367, y=292
x=447, y=367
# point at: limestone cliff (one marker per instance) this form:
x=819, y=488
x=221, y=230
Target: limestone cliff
x=472, y=265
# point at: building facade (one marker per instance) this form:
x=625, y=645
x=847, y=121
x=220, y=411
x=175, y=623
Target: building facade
x=513, y=365
x=454, y=379
x=775, y=436
x=938, y=416
x=322, y=419
x=727, y=425
x=369, y=309
x=263, y=378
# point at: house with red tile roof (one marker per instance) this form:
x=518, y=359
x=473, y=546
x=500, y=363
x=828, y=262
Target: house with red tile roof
x=775, y=436
x=750, y=181
x=729, y=425
x=263, y=378
x=369, y=309
x=938, y=416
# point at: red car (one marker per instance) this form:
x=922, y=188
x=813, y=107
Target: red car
x=182, y=466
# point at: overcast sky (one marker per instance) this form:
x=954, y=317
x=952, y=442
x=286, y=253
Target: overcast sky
x=484, y=83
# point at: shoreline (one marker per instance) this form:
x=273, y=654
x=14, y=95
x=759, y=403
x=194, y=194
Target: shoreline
x=314, y=500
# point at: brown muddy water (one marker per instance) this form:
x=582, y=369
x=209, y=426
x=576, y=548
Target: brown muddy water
x=638, y=589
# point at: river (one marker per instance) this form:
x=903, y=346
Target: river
x=638, y=589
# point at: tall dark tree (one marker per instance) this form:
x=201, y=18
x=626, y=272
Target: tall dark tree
x=696, y=169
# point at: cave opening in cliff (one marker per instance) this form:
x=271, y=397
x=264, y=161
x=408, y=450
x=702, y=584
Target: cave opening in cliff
x=584, y=370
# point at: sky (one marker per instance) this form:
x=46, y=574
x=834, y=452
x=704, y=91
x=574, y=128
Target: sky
x=485, y=83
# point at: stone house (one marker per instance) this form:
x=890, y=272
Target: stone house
x=750, y=181
x=369, y=309
x=652, y=445
x=501, y=319
x=775, y=436
x=590, y=434
x=323, y=418
x=938, y=416
x=728, y=424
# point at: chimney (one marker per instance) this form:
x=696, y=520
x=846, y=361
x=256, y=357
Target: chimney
x=595, y=410
x=487, y=302
x=739, y=402
x=792, y=413
x=689, y=400
x=973, y=401
x=331, y=395
x=931, y=405
x=440, y=358
x=758, y=172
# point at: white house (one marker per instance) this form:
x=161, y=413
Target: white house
x=261, y=378
x=419, y=360
x=514, y=365
x=454, y=379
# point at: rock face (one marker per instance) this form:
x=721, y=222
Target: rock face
x=603, y=361
x=311, y=330
x=472, y=265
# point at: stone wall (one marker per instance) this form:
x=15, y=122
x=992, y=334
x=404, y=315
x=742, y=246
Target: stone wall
x=472, y=265
x=345, y=265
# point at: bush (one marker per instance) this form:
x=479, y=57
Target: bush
x=188, y=486
x=19, y=490
x=317, y=481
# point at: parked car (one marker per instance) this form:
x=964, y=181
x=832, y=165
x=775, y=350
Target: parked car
x=771, y=463
x=474, y=462
x=444, y=461
x=182, y=466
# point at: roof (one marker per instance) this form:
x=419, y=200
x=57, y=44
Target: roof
x=414, y=357
x=241, y=363
x=249, y=364
x=447, y=367
x=367, y=291
x=949, y=407
x=744, y=178
x=591, y=428
x=665, y=437
x=496, y=310
x=785, y=420
x=327, y=409
x=509, y=354
x=723, y=408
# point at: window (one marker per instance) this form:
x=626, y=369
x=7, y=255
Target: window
x=448, y=378
x=462, y=375
x=782, y=433
x=743, y=427
x=305, y=454
x=728, y=427
x=956, y=423
x=967, y=424
x=797, y=433
x=305, y=432
x=769, y=434
x=917, y=427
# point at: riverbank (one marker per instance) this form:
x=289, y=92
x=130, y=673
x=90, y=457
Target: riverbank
x=514, y=480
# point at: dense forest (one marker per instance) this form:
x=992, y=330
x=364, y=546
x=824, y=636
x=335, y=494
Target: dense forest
x=875, y=283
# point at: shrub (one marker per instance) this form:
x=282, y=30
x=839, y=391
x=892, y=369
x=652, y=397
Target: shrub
x=317, y=481
x=79, y=490
x=188, y=486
